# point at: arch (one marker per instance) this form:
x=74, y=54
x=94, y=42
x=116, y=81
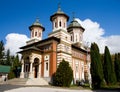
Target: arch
x=26, y=67
x=60, y=23
x=36, y=67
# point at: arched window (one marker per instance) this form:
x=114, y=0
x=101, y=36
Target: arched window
x=35, y=33
x=46, y=65
x=71, y=38
x=60, y=23
x=76, y=38
x=55, y=24
x=32, y=33
x=64, y=24
x=40, y=34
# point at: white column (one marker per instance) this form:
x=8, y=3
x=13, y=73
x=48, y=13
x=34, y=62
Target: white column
x=39, y=71
x=22, y=71
x=31, y=67
x=31, y=70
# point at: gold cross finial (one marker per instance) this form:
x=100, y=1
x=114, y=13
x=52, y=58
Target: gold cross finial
x=73, y=15
x=59, y=8
x=37, y=19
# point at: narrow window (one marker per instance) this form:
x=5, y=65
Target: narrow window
x=64, y=25
x=55, y=25
x=71, y=38
x=76, y=38
x=40, y=34
x=35, y=33
x=32, y=33
x=76, y=68
x=46, y=65
x=60, y=23
x=66, y=38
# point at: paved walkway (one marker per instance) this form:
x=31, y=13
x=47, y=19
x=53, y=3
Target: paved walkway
x=44, y=89
x=18, y=88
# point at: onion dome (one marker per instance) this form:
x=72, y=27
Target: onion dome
x=59, y=12
x=75, y=24
x=36, y=24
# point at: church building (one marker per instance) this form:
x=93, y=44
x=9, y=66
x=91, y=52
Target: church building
x=41, y=57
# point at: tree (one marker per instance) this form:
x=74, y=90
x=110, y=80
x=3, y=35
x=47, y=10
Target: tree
x=8, y=58
x=64, y=74
x=117, y=66
x=1, y=52
x=108, y=68
x=16, y=65
x=96, y=67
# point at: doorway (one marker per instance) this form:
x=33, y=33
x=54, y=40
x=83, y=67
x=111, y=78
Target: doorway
x=36, y=67
x=26, y=67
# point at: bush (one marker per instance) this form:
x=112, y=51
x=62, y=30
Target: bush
x=64, y=75
x=11, y=74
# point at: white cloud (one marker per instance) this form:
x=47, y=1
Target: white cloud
x=113, y=43
x=94, y=33
x=14, y=41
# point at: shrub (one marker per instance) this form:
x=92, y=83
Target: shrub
x=64, y=75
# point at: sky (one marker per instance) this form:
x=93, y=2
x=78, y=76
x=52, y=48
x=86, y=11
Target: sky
x=100, y=18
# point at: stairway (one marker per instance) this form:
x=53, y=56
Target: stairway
x=37, y=81
x=17, y=81
x=27, y=81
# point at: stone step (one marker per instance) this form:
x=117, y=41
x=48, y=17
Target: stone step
x=17, y=81
x=37, y=81
x=27, y=81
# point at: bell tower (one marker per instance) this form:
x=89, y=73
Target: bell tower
x=76, y=32
x=59, y=25
x=36, y=30
x=59, y=20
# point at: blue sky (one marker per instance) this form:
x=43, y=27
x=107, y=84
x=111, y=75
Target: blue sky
x=17, y=15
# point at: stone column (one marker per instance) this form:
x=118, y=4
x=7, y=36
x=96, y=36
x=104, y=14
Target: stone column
x=31, y=70
x=39, y=70
x=22, y=71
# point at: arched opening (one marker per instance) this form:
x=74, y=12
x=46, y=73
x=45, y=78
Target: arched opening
x=36, y=67
x=26, y=67
x=60, y=24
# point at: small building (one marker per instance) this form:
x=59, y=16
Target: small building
x=4, y=70
x=41, y=57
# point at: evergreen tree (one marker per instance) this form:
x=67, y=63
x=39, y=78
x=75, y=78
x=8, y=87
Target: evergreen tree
x=8, y=58
x=108, y=67
x=64, y=75
x=117, y=66
x=1, y=52
x=96, y=67
x=16, y=66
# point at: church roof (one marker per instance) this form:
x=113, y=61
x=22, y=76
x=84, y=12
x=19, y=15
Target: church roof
x=40, y=42
x=59, y=12
x=37, y=24
x=75, y=24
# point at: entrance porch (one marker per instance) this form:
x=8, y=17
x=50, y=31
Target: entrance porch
x=31, y=67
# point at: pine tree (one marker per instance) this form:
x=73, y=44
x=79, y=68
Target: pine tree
x=1, y=52
x=8, y=58
x=108, y=67
x=64, y=75
x=96, y=67
x=117, y=66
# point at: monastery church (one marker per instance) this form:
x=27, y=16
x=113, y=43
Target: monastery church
x=41, y=57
